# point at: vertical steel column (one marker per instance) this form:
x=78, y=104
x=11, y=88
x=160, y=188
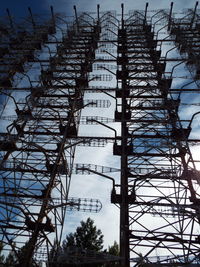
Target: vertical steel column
x=124, y=222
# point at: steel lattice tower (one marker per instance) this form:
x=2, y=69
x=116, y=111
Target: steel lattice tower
x=157, y=168
x=38, y=147
x=158, y=193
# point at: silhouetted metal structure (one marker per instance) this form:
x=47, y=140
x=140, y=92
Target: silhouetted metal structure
x=38, y=148
x=158, y=194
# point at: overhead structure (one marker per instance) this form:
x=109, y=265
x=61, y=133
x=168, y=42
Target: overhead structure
x=158, y=174
x=129, y=59
x=37, y=147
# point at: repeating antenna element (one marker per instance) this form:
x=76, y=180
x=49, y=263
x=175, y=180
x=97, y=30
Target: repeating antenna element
x=84, y=204
x=37, y=148
x=80, y=168
x=133, y=60
x=79, y=204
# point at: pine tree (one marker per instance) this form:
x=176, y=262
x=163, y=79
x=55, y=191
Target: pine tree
x=86, y=236
x=114, y=249
x=2, y=258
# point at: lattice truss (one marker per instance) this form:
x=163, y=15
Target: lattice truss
x=160, y=178
x=158, y=194
x=37, y=148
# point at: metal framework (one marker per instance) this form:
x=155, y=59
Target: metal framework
x=158, y=194
x=38, y=146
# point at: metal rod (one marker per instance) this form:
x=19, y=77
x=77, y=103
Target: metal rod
x=145, y=16
x=10, y=18
x=53, y=17
x=194, y=14
x=122, y=6
x=170, y=16
x=32, y=20
x=124, y=215
x=189, y=126
x=98, y=16
x=76, y=16
x=98, y=173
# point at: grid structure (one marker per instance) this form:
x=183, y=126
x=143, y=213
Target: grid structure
x=38, y=147
x=158, y=194
x=158, y=175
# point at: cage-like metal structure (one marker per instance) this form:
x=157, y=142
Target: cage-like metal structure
x=158, y=194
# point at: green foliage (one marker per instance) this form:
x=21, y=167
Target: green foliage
x=14, y=256
x=86, y=236
x=22, y=252
x=2, y=258
x=10, y=259
x=54, y=253
x=71, y=239
x=114, y=249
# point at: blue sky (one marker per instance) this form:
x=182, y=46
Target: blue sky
x=19, y=8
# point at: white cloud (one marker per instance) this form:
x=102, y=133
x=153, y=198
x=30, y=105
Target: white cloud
x=88, y=5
